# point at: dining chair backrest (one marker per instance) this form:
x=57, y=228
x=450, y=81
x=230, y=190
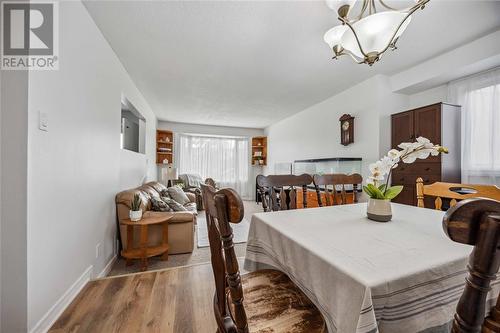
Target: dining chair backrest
x=211, y=182
x=476, y=222
x=453, y=192
x=333, y=188
x=223, y=207
x=279, y=192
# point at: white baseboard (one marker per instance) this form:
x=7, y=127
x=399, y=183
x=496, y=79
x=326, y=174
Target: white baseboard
x=62, y=303
x=107, y=268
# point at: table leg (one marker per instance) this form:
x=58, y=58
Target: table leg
x=130, y=242
x=165, y=240
x=144, y=246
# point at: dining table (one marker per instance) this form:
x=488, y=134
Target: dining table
x=404, y=275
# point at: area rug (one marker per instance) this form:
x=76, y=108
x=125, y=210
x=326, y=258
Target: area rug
x=240, y=231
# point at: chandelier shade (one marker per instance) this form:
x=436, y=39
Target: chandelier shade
x=342, y=6
x=375, y=33
x=371, y=33
x=334, y=35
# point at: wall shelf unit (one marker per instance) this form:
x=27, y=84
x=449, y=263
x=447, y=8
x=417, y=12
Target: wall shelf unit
x=164, y=146
x=259, y=150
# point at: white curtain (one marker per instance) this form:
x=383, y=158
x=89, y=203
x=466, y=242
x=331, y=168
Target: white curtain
x=479, y=97
x=225, y=159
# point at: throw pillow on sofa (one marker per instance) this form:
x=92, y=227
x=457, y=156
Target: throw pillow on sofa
x=177, y=193
x=158, y=205
x=176, y=207
x=164, y=193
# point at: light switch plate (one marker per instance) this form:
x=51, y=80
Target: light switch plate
x=43, y=123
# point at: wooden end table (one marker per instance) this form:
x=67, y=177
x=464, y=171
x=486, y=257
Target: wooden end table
x=144, y=251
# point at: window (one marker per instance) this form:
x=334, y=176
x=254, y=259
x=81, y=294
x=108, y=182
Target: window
x=485, y=128
x=225, y=159
x=479, y=97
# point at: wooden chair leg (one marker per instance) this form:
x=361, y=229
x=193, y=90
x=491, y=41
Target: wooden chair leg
x=165, y=240
x=492, y=322
x=143, y=247
x=130, y=243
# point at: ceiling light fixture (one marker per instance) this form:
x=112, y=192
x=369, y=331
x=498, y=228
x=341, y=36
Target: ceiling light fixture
x=369, y=34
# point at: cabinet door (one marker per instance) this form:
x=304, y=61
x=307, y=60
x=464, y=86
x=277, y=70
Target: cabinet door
x=402, y=128
x=428, y=123
x=407, y=196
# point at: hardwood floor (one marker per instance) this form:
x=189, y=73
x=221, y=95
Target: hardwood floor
x=177, y=300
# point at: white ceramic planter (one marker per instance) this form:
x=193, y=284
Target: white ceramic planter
x=379, y=210
x=135, y=215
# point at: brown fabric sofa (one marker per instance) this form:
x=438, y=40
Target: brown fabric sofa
x=180, y=227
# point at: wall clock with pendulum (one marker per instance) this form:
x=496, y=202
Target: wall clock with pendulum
x=346, y=129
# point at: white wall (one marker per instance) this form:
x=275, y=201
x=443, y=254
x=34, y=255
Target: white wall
x=77, y=167
x=13, y=192
x=209, y=130
x=427, y=97
x=315, y=132
x=476, y=56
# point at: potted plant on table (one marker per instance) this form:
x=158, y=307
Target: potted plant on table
x=135, y=212
x=380, y=193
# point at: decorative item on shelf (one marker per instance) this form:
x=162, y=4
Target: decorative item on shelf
x=135, y=212
x=379, y=204
x=167, y=140
x=171, y=175
x=258, y=160
x=369, y=33
x=346, y=129
x=178, y=182
x=257, y=154
x=165, y=161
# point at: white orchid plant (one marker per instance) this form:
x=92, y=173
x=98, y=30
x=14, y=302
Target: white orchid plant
x=409, y=153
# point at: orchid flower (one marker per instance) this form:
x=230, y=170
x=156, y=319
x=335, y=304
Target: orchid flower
x=409, y=153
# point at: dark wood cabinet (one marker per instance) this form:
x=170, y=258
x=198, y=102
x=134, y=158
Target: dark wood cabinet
x=407, y=196
x=440, y=123
x=428, y=122
x=402, y=128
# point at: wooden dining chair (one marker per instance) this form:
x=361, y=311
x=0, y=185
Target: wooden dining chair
x=327, y=187
x=476, y=222
x=211, y=182
x=261, y=301
x=279, y=192
x=453, y=192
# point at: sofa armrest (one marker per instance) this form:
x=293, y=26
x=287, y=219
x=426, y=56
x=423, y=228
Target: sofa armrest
x=191, y=196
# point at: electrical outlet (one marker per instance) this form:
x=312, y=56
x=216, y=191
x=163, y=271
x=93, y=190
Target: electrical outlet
x=97, y=250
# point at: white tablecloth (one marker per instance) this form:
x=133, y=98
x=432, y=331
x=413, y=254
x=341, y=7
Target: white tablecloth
x=365, y=276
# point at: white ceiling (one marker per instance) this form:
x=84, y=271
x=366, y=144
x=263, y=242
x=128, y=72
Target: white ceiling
x=249, y=64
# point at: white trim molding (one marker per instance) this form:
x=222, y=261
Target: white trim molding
x=65, y=300
x=62, y=303
x=107, y=268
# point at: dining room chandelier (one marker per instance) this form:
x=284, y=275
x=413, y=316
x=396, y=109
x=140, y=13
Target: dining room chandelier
x=367, y=35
